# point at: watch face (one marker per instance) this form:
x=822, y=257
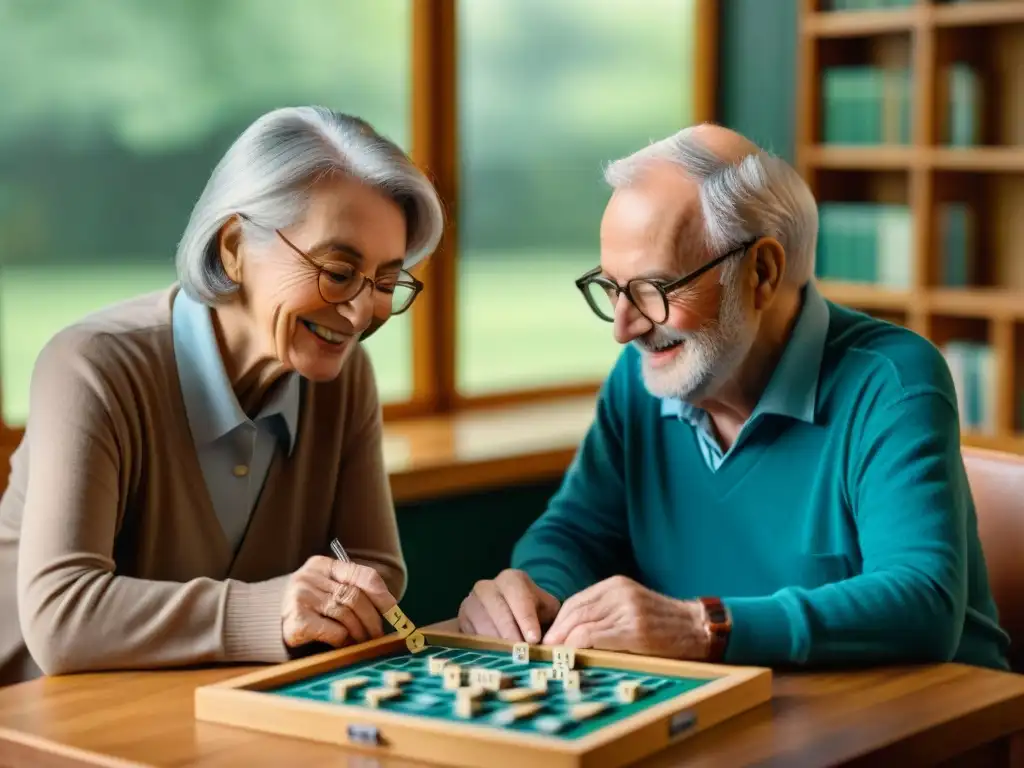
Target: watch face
x=715, y=611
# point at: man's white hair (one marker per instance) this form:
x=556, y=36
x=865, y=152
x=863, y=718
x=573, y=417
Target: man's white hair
x=266, y=175
x=760, y=195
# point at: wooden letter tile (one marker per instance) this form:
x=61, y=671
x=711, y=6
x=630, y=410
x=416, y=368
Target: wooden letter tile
x=539, y=677
x=452, y=677
x=571, y=681
x=521, y=653
x=416, y=642
x=394, y=615
x=404, y=627
x=341, y=688
x=627, y=691
x=564, y=656
x=394, y=678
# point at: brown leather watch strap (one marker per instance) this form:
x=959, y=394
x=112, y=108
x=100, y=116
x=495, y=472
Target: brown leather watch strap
x=718, y=624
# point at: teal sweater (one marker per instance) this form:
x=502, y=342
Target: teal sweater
x=845, y=538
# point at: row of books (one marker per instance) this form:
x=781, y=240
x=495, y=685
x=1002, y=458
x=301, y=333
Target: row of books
x=874, y=243
x=873, y=5
x=972, y=366
x=963, y=100
x=864, y=5
x=866, y=105
x=865, y=243
x=869, y=105
x=956, y=233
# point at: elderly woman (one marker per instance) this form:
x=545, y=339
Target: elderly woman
x=190, y=454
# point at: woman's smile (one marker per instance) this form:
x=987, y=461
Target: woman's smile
x=325, y=334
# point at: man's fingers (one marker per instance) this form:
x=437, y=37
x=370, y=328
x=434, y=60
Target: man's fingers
x=586, y=635
x=493, y=602
x=548, y=605
x=478, y=618
x=522, y=602
x=465, y=622
x=580, y=608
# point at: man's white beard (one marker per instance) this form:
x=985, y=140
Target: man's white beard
x=708, y=357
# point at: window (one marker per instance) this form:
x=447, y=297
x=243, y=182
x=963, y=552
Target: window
x=113, y=119
x=549, y=92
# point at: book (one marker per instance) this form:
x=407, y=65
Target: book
x=865, y=105
x=955, y=228
x=963, y=106
x=865, y=243
x=972, y=368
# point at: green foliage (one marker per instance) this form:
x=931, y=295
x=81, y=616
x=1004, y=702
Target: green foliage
x=115, y=111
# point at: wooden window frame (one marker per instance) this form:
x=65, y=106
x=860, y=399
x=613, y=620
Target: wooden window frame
x=435, y=148
x=431, y=459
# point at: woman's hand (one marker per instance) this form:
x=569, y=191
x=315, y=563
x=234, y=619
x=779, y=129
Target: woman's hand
x=332, y=602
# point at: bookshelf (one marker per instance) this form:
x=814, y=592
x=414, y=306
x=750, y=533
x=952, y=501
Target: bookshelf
x=910, y=131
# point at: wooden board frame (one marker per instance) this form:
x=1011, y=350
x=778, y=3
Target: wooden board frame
x=240, y=702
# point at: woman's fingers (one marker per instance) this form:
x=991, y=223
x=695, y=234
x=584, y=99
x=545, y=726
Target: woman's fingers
x=351, y=599
x=348, y=605
x=367, y=580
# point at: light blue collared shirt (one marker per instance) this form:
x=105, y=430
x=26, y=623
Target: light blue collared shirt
x=234, y=451
x=792, y=390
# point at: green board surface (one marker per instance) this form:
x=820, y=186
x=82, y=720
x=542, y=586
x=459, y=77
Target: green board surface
x=425, y=696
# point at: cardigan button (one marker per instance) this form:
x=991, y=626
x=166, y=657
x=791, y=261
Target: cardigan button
x=240, y=470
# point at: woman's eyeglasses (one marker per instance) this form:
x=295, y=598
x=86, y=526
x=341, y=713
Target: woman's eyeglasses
x=341, y=282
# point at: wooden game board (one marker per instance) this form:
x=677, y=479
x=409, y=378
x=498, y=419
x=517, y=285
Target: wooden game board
x=676, y=699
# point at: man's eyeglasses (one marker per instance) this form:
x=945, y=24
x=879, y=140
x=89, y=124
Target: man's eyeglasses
x=648, y=295
x=342, y=282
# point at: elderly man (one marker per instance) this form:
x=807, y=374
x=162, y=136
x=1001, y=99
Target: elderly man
x=770, y=479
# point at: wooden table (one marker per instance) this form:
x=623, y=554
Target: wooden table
x=949, y=714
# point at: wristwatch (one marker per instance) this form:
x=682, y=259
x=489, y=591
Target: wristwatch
x=718, y=625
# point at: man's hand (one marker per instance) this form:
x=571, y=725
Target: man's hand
x=331, y=602
x=618, y=614
x=511, y=607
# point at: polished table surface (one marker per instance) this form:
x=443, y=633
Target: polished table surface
x=892, y=716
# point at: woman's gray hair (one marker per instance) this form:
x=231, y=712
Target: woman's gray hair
x=266, y=175
x=758, y=195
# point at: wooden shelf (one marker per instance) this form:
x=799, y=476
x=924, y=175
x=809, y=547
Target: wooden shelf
x=985, y=303
x=894, y=158
x=991, y=303
x=485, y=448
x=978, y=159
x=832, y=24
x=860, y=23
x=899, y=158
x=866, y=296
x=1004, y=443
x=976, y=13
x=955, y=211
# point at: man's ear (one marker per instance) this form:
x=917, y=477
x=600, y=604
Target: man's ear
x=229, y=245
x=769, y=267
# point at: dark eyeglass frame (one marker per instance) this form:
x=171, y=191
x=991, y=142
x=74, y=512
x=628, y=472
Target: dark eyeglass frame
x=663, y=288
x=405, y=279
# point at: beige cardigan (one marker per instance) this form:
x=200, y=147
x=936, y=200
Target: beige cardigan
x=111, y=554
